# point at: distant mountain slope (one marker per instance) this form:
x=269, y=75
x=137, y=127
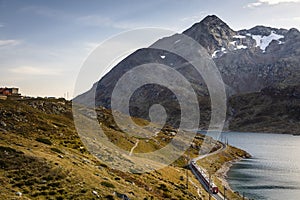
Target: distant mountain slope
x=249, y=60
x=272, y=110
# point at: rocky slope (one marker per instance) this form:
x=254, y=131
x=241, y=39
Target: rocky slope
x=271, y=110
x=249, y=61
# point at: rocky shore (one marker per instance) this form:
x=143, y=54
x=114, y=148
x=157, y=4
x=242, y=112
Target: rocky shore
x=219, y=164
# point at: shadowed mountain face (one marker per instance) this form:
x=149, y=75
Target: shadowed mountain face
x=148, y=95
x=248, y=60
x=270, y=110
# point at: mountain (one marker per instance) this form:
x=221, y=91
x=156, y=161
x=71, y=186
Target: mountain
x=248, y=60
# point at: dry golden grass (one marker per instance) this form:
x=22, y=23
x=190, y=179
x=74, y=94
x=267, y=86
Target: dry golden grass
x=64, y=169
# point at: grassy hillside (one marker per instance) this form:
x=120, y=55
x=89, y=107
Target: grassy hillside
x=42, y=157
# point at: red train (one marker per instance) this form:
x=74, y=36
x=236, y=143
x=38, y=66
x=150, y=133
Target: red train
x=205, y=179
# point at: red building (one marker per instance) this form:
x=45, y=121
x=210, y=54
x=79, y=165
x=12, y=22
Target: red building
x=9, y=91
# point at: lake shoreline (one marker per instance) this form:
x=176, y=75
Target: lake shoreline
x=219, y=164
x=273, y=170
x=223, y=171
x=251, y=132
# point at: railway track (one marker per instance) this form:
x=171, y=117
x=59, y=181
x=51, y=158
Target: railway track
x=194, y=167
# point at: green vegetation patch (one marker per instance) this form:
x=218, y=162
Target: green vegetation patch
x=44, y=140
x=107, y=184
x=57, y=150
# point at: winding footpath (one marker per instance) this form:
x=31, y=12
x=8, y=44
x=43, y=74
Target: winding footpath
x=132, y=149
x=217, y=196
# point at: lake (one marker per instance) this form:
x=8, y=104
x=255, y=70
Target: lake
x=274, y=170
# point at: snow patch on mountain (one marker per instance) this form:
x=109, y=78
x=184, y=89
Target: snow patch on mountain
x=263, y=41
x=214, y=55
x=239, y=36
x=219, y=53
x=177, y=41
x=235, y=45
x=241, y=47
x=257, y=39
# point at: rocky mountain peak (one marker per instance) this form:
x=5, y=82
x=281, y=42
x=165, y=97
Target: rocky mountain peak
x=293, y=33
x=263, y=31
x=212, y=33
x=294, y=30
x=213, y=21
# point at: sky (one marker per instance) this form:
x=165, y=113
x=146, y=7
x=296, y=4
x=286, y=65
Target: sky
x=43, y=44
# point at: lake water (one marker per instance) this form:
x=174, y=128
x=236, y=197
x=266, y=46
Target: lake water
x=274, y=170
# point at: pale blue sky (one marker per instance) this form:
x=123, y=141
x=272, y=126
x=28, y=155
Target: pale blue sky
x=43, y=43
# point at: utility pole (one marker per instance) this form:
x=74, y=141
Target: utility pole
x=225, y=193
x=209, y=186
x=187, y=173
x=187, y=178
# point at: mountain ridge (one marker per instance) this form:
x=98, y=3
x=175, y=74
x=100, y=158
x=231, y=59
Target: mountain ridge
x=248, y=60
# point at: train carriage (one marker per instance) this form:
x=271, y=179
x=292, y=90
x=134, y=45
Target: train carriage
x=205, y=179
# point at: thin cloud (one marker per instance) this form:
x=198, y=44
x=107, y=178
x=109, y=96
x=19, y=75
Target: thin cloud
x=194, y=18
x=87, y=20
x=94, y=20
x=1, y=25
x=30, y=70
x=46, y=12
x=100, y=21
x=293, y=19
x=89, y=46
x=270, y=2
x=5, y=43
